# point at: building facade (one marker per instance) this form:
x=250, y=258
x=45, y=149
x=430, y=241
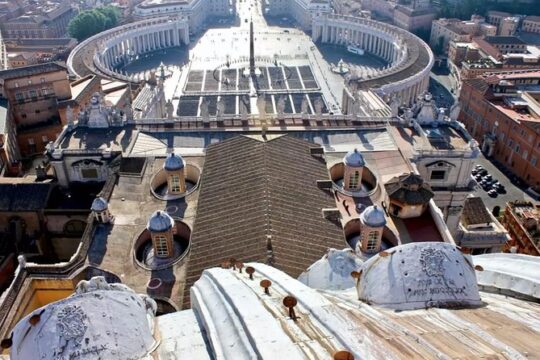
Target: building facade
x=303, y=11
x=531, y=24
x=33, y=93
x=43, y=22
x=196, y=11
x=505, y=121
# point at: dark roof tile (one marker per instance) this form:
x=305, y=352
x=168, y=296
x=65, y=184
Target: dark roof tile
x=259, y=201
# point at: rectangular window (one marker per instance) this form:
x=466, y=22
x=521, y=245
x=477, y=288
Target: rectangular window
x=31, y=141
x=354, y=180
x=533, y=161
x=438, y=175
x=510, y=142
x=518, y=148
x=45, y=139
x=32, y=94
x=372, y=241
x=89, y=173
x=162, y=248
x=525, y=154
x=175, y=183
x=20, y=97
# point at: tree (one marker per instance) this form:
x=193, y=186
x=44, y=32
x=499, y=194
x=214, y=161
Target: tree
x=91, y=22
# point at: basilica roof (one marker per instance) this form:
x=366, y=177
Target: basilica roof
x=233, y=317
x=259, y=201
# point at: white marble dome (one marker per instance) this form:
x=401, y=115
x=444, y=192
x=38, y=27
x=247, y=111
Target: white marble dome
x=99, y=321
x=373, y=216
x=354, y=159
x=160, y=221
x=99, y=204
x=419, y=276
x=173, y=162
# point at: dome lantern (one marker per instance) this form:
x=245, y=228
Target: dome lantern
x=372, y=223
x=352, y=173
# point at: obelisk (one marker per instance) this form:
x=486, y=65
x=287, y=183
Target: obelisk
x=251, y=50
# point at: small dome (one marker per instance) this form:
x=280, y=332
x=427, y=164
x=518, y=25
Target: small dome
x=173, y=162
x=99, y=204
x=373, y=216
x=160, y=221
x=84, y=325
x=418, y=276
x=354, y=159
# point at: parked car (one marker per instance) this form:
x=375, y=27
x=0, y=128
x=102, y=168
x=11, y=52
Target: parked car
x=488, y=177
x=483, y=172
x=474, y=171
x=493, y=193
x=499, y=188
x=477, y=177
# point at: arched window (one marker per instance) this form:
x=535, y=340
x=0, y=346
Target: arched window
x=372, y=239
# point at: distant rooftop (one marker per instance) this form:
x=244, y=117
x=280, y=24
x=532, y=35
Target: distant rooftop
x=24, y=197
x=504, y=40
x=31, y=70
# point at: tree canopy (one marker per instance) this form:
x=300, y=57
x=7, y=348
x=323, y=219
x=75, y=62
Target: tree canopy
x=91, y=22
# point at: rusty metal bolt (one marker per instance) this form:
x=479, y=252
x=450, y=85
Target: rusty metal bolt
x=290, y=302
x=7, y=343
x=239, y=265
x=478, y=268
x=343, y=355
x=250, y=270
x=266, y=285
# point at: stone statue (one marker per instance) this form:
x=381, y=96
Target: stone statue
x=98, y=115
x=243, y=110
x=395, y=103
x=318, y=106
x=304, y=106
x=220, y=107
x=69, y=116
x=169, y=108
x=261, y=105
x=128, y=111
x=280, y=108
x=82, y=118
x=116, y=118
x=204, y=110
x=454, y=111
